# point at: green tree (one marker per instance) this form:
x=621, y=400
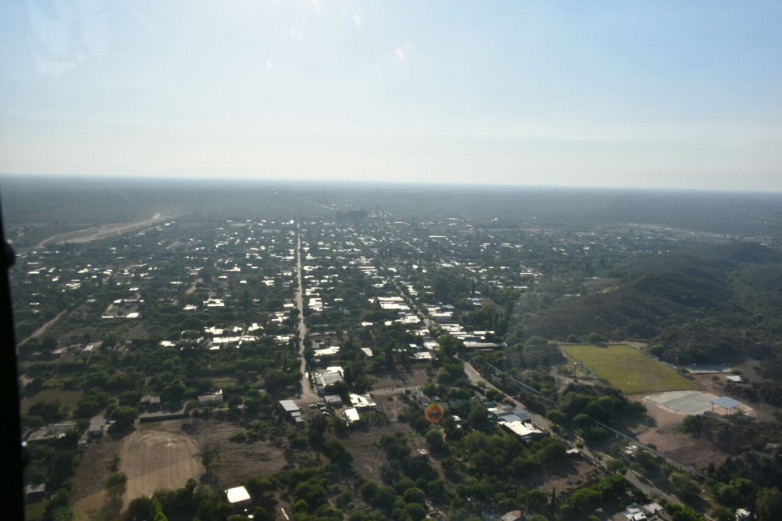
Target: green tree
x=115, y=485
x=415, y=511
x=124, y=418
x=768, y=505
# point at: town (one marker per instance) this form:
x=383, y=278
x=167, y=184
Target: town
x=366, y=364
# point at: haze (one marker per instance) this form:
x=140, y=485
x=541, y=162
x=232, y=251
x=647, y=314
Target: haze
x=613, y=94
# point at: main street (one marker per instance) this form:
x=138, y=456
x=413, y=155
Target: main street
x=307, y=393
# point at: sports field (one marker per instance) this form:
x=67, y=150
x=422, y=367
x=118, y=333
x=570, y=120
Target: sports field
x=628, y=369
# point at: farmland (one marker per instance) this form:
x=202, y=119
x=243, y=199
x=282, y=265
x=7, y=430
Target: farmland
x=628, y=369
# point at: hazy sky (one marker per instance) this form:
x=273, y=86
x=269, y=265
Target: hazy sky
x=658, y=94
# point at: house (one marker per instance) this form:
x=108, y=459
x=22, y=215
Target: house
x=211, y=398
x=333, y=400
x=351, y=416
x=633, y=513
x=54, y=431
x=513, y=515
x=238, y=497
x=293, y=411
x=97, y=426
x=162, y=415
x=361, y=401
x=150, y=401
x=330, y=376
x=34, y=492
x=525, y=430
x=742, y=514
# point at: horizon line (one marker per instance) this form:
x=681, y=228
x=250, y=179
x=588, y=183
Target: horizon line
x=239, y=179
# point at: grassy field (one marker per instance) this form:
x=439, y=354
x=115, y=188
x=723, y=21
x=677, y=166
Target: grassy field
x=628, y=369
x=67, y=399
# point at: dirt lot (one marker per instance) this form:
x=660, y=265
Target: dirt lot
x=158, y=456
x=94, y=233
x=368, y=456
x=164, y=456
x=666, y=435
x=416, y=376
x=95, y=466
x=238, y=461
x=564, y=478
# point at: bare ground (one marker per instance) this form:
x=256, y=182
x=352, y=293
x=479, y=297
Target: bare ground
x=100, y=232
x=159, y=456
x=368, y=457
x=94, y=467
x=238, y=461
x=667, y=436
x=416, y=376
x=566, y=478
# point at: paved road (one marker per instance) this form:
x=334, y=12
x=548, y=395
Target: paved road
x=307, y=392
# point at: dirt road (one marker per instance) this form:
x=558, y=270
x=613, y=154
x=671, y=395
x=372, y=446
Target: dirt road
x=474, y=376
x=308, y=395
x=41, y=330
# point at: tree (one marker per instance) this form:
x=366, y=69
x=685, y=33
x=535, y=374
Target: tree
x=768, y=505
x=115, y=485
x=683, y=486
x=210, y=454
x=479, y=417
x=434, y=437
x=124, y=418
x=336, y=452
x=415, y=511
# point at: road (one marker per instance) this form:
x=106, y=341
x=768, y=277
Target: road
x=41, y=330
x=307, y=393
x=650, y=490
x=640, y=483
x=474, y=376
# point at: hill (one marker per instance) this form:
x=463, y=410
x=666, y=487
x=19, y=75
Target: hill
x=715, y=305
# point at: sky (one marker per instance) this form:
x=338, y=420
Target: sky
x=639, y=94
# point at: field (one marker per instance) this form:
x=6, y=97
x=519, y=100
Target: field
x=157, y=457
x=628, y=369
x=67, y=399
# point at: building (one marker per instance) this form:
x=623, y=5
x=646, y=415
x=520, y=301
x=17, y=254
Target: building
x=54, y=431
x=35, y=492
x=330, y=376
x=525, y=430
x=211, y=398
x=728, y=404
x=292, y=411
x=351, y=416
x=333, y=400
x=97, y=427
x=633, y=513
x=157, y=416
x=238, y=497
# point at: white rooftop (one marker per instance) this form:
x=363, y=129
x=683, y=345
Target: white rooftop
x=237, y=495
